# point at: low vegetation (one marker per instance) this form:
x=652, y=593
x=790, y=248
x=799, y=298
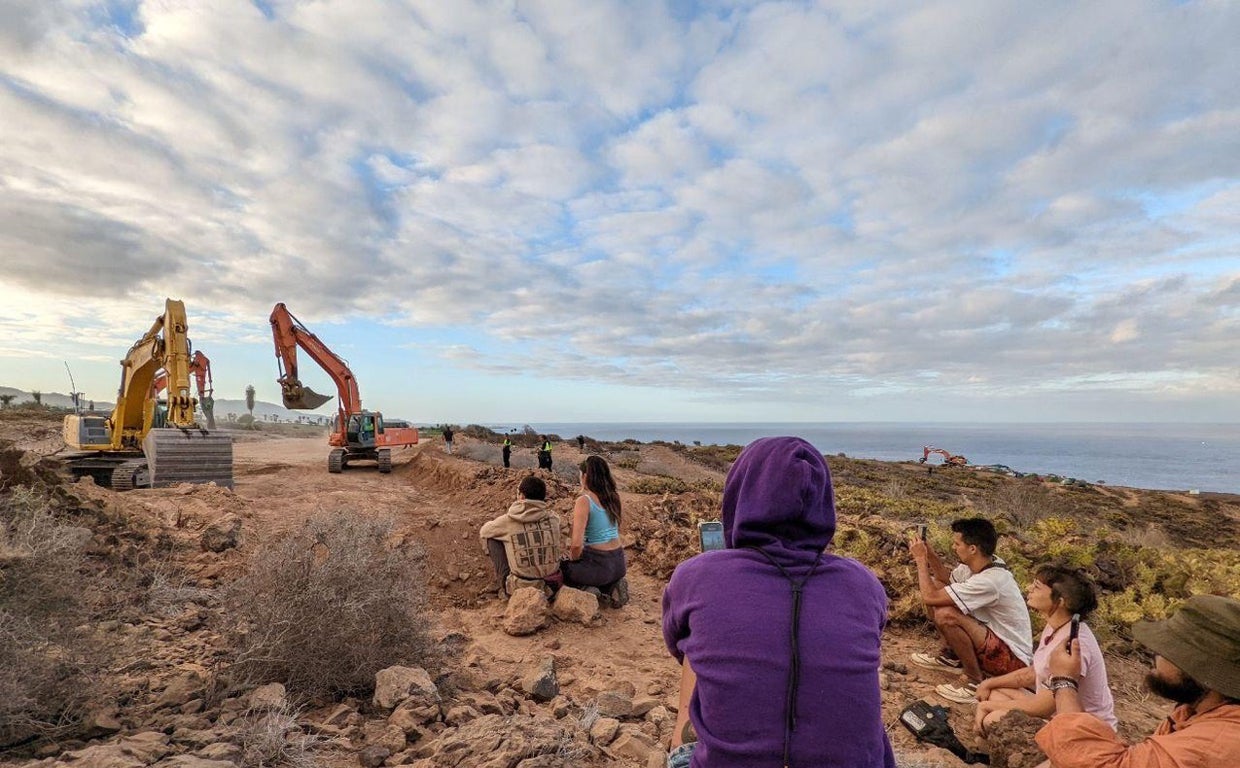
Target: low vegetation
x=324, y=608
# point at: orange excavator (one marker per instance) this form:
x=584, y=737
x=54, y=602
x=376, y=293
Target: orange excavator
x=949, y=459
x=357, y=434
x=200, y=369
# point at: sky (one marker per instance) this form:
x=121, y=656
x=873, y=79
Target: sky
x=627, y=210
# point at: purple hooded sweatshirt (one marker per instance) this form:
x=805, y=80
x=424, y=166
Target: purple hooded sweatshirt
x=729, y=612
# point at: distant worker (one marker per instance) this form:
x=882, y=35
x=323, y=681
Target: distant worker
x=524, y=542
x=507, y=451
x=544, y=454
x=1196, y=665
x=778, y=638
x=1056, y=593
x=977, y=608
x=581, y=442
x=447, y=437
x=596, y=555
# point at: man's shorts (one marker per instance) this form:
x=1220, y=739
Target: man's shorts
x=680, y=756
x=995, y=658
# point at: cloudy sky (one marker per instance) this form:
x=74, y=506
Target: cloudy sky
x=619, y=210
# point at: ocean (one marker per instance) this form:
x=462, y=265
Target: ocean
x=1202, y=457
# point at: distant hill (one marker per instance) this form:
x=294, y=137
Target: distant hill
x=223, y=406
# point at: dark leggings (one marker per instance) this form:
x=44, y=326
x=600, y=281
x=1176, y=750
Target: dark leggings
x=596, y=568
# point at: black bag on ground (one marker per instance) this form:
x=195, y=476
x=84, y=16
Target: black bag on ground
x=928, y=722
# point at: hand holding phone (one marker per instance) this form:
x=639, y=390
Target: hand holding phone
x=922, y=530
x=710, y=535
x=1074, y=629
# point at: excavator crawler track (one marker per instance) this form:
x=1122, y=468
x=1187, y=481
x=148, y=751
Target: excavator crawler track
x=335, y=461
x=131, y=474
x=188, y=456
x=385, y=461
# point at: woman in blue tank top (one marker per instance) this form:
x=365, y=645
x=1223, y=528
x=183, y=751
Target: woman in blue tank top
x=596, y=556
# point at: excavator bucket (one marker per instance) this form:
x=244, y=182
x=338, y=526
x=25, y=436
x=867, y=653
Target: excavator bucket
x=176, y=455
x=303, y=398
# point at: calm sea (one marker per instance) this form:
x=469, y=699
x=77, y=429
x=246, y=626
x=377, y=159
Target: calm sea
x=1203, y=457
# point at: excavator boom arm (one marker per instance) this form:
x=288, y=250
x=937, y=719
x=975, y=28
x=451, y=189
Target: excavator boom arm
x=288, y=334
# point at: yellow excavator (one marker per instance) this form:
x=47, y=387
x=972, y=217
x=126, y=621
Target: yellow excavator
x=146, y=443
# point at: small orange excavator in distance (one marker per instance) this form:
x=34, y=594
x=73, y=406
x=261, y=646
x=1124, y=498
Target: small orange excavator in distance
x=949, y=459
x=357, y=434
x=200, y=369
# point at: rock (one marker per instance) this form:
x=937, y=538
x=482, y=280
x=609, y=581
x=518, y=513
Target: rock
x=659, y=716
x=643, y=705
x=178, y=692
x=604, y=730
x=460, y=714
x=576, y=605
x=1010, y=741
x=410, y=723
x=391, y=737
x=884, y=681
x=267, y=697
x=222, y=535
x=131, y=752
x=494, y=741
x=527, y=612
x=102, y=722
x=615, y=704
x=633, y=744
x=342, y=715
x=220, y=750
x=541, y=684
x=192, y=761
x=395, y=685
x=372, y=756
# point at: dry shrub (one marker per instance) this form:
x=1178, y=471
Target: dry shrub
x=326, y=607
x=272, y=738
x=45, y=653
x=658, y=484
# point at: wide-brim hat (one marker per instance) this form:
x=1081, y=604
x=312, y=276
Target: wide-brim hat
x=1202, y=638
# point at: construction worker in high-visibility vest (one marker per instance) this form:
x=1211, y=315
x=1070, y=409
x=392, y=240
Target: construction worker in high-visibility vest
x=544, y=454
x=507, y=451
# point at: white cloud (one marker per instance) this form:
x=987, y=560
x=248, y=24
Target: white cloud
x=763, y=198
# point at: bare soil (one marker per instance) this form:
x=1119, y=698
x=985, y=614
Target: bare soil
x=441, y=501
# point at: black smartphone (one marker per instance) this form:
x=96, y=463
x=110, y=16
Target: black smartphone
x=1074, y=629
x=922, y=530
x=710, y=535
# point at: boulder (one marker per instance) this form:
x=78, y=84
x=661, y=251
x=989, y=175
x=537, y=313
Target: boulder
x=192, y=761
x=576, y=605
x=133, y=751
x=541, y=684
x=395, y=685
x=267, y=697
x=617, y=704
x=633, y=744
x=221, y=535
x=372, y=756
x=604, y=730
x=180, y=690
x=527, y=612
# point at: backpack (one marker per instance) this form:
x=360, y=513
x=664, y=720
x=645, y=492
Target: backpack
x=928, y=722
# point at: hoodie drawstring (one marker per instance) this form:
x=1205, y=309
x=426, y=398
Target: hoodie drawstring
x=794, y=672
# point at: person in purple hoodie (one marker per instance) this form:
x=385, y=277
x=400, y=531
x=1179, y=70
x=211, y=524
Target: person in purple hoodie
x=778, y=640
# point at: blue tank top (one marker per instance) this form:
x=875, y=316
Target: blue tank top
x=599, y=528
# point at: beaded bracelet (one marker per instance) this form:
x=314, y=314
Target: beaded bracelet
x=1059, y=683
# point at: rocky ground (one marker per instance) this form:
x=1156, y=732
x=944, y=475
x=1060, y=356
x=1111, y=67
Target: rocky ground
x=586, y=686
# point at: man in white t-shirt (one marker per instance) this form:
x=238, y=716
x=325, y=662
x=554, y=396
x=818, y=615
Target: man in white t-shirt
x=978, y=609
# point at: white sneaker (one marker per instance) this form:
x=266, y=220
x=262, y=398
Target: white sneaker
x=937, y=662
x=961, y=694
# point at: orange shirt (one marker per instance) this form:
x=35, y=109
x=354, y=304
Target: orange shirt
x=1183, y=740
